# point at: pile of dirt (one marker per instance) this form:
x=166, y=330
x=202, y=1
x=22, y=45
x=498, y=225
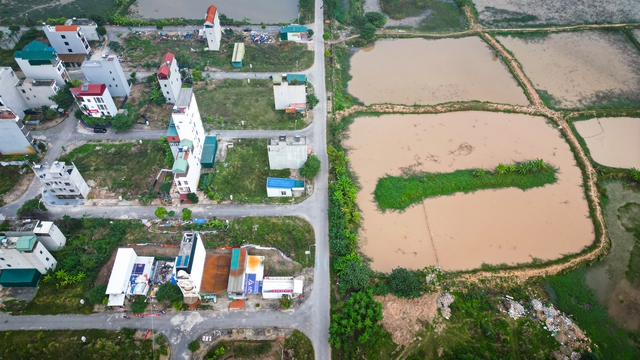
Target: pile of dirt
x=403, y=318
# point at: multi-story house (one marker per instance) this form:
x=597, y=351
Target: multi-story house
x=40, y=62
x=109, y=72
x=290, y=92
x=186, y=167
x=169, y=78
x=9, y=95
x=25, y=252
x=45, y=231
x=15, y=138
x=62, y=181
x=95, y=100
x=67, y=39
x=212, y=29
x=37, y=93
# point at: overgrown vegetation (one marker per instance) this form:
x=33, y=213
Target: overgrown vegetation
x=397, y=9
x=31, y=207
x=311, y=167
x=307, y=12
x=9, y=176
x=629, y=216
x=400, y=192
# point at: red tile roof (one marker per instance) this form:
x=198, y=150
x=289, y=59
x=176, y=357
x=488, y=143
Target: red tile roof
x=211, y=13
x=89, y=90
x=66, y=28
x=168, y=58
x=163, y=72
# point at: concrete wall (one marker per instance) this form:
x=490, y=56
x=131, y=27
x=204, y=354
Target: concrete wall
x=76, y=44
x=12, y=140
x=286, y=94
x=9, y=95
x=43, y=72
x=34, y=260
x=108, y=72
x=278, y=192
x=37, y=96
x=286, y=156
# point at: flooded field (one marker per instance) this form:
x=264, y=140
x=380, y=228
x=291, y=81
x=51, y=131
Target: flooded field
x=466, y=230
x=268, y=11
x=508, y=13
x=419, y=71
x=579, y=69
x=612, y=141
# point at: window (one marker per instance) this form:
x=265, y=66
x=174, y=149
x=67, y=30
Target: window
x=114, y=79
x=8, y=265
x=66, y=43
x=109, y=85
x=69, y=50
x=283, y=193
x=167, y=93
x=53, y=191
x=88, y=100
x=116, y=85
x=99, y=100
x=24, y=92
x=34, y=96
x=110, y=72
x=63, y=36
x=40, y=251
x=165, y=85
x=67, y=184
x=72, y=191
x=2, y=259
x=47, y=259
x=28, y=98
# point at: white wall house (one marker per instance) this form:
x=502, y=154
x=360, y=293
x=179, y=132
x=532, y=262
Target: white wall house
x=15, y=138
x=67, y=39
x=62, y=181
x=274, y=287
x=25, y=252
x=287, y=152
x=45, y=231
x=169, y=78
x=109, y=72
x=130, y=275
x=279, y=187
x=95, y=100
x=290, y=91
x=86, y=26
x=40, y=61
x=189, y=266
x=36, y=93
x=9, y=95
x=212, y=29
x=186, y=118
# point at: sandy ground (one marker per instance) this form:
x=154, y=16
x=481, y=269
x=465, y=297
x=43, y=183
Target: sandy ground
x=466, y=230
x=575, y=67
x=612, y=141
x=491, y=12
x=403, y=318
x=447, y=70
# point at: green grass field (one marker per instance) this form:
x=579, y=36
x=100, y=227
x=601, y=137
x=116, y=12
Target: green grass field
x=233, y=101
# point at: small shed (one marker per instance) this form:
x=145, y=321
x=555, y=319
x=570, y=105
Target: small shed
x=209, y=152
x=19, y=278
x=293, y=32
x=238, y=55
x=280, y=187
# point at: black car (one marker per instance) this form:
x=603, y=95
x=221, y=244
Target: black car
x=247, y=29
x=99, y=129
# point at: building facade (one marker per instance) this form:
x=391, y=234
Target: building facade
x=86, y=26
x=294, y=32
x=62, y=181
x=95, y=100
x=212, y=29
x=188, y=124
x=9, y=95
x=108, y=72
x=45, y=231
x=36, y=93
x=15, y=138
x=67, y=39
x=287, y=152
x=189, y=266
x=169, y=78
x=25, y=252
x=40, y=62
x=290, y=92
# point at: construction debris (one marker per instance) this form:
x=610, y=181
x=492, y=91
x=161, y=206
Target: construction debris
x=403, y=318
x=515, y=309
x=443, y=302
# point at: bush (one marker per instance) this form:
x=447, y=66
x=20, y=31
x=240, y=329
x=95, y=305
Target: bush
x=196, y=75
x=63, y=97
x=139, y=305
x=310, y=168
x=42, y=146
x=159, y=26
x=194, y=346
x=78, y=114
x=115, y=46
x=169, y=292
x=310, y=32
x=312, y=100
x=48, y=112
x=404, y=283
x=165, y=186
x=171, y=213
x=97, y=294
x=121, y=122
x=354, y=277
x=368, y=31
x=377, y=19
x=326, y=36
x=286, y=302
x=161, y=212
x=177, y=305
x=101, y=30
x=30, y=207
x=193, y=198
x=186, y=214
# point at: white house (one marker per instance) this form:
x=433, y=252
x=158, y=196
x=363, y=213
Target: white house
x=287, y=152
x=15, y=138
x=62, y=181
x=169, y=78
x=274, y=287
x=36, y=93
x=25, y=252
x=46, y=232
x=40, y=61
x=279, y=187
x=130, y=275
x=189, y=266
x=109, y=72
x=187, y=166
x=290, y=92
x=67, y=39
x=95, y=100
x=212, y=29
x=86, y=26
x=9, y=95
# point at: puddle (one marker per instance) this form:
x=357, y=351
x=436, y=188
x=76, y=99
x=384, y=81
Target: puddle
x=268, y=11
x=607, y=277
x=580, y=68
x=419, y=71
x=466, y=230
x=612, y=141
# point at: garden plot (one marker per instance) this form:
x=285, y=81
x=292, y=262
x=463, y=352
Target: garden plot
x=612, y=141
x=580, y=69
x=431, y=72
x=464, y=231
x=507, y=13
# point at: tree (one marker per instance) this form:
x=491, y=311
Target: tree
x=121, y=122
x=115, y=46
x=354, y=277
x=196, y=75
x=98, y=19
x=133, y=77
x=193, y=198
x=63, y=97
x=310, y=168
x=170, y=292
x=97, y=294
x=156, y=96
x=139, y=305
x=326, y=36
x=186, y=214
x=263, y=26
x=101, y=30
x=310, y=32
x=404, y=283
x=14, y=28
x=31, y=207
x=48, y=112
x=161, y=212
x=286, y=302
x=78, y=114
x=312, y=100
x=228, y=32
x=376, y=18
x=159, y=26
x=194, y=346
x=368, y=31
x=75, y=83
x=165, y=187
x=171, y=213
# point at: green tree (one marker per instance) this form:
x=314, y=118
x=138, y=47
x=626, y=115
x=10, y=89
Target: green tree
x=165, y=187
x=159, y=25
x=376, y=18
x=101, y=30
x=263, y=26
x=133, y=77
x=326, y=36
x=139, y=305
x=14, y=28
x=310, y=32
x=186, y=214
x=404, y=283
x=156, y=96
x=193, y=198
x=161, y=212
x=286, y=301
x=31, y=207
x=310, y=168
x=97, y=294
x=368, y=31
x=78, y=114
x=171, y=213
x=115, y=46
x=354, y=277
x=75, y=83
x=312, y=100
x=48, y=112
x=121, y=122
x=170, y=292
x=194, y=346
x=63, y=97
x=196, y=75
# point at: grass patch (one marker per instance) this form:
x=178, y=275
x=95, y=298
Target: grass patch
x=233, y=101
x=443, y=16
x=573, y=296
x=400, y=9
x=9, y=176
x=400, y=192
x=629, y=216
x=296, y=346
x=129, y=168
x=67, y=344
x=299, y=345
x=290, y=234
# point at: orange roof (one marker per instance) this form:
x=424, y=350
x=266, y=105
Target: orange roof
x=211, y=13
x=237, y=304
x=66, y=28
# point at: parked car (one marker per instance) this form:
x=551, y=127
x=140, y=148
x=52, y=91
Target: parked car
x=247, y=29
x=99, y=129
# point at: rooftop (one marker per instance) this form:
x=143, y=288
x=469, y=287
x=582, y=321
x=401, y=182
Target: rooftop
x=55, y=170
x=82, y=21
x=65, y=28
x=293, y=28
x=36, y=50
x=89, y=90
x=288, y=140
x=186, y=251
x=7, y=114
x=211, y=13
x=33, y=82
x=281, y=183
x=216, y=273
x=164, y=70
x=300, y=77
x=184, y=98
x=26, y=243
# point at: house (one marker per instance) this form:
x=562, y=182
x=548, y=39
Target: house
x=67, y=39
x=216, y=275
x=15, y=138
x=287, y=152
x=62, y=181
x=189, y=266
x=294, y=32
x=130, y=275
x=245, y=274
x=279, y=187
x=25, y=252
x=169, y=78
x=212, y=29
x=46, y=232
x=109, y=72
x=9, y=95
x=95, y=100
x=88, y=27
x=186, y=119
x=290, y=92
x=37, y=93
x=238, y=55
x=40, y=61
x=274, y=287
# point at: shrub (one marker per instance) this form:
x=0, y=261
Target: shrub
x=404, y=283
x=171, y=213
x=177, y=305
x=159, y=26
x=101, y=30
x=310, y=168
x=354, y=277
x=78, y=114
x=376, y=18
x=121, y=122
x=310, y=32
x=326, y=36
x=42, y=146
x=286, y=302
x=368, y=31
x=139, y=305
x=161, y=212
x=165, y=186
x=169, y=292
x=194, y=346
x=186, y=214
x=312, y=100
x=97, y=294
x=193, y=198
x=196, y=75
x=30, y=207
x=63, y=97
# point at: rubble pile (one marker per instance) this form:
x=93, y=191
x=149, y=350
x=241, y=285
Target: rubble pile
x=263, y=38
x=443, y=302
x=515, y=309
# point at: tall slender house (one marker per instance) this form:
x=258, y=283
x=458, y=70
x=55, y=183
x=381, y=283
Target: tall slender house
x=169, y=78
x=212, y=29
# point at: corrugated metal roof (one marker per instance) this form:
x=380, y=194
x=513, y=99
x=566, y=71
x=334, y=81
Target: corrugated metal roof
x=293, y=28
x=237, y=269
x=280, y=183
x=26, y=243
x=20, y=277
x=180, y=166
x=172, y=131
x=300, y=77
x=238, y=52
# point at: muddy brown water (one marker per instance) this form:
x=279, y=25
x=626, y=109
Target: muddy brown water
x=576, y=67
x=466, y=230
x=423, y=72
x=612, y=142
x=268, y=11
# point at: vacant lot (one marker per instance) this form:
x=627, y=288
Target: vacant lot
x=297, y=346
x=34, y=12
x=612, y=141
x=229, y=102
x=9, y=176
x=127, y=168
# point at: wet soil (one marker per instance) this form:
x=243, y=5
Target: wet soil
x=612, y=141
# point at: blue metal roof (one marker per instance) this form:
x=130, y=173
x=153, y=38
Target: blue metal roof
x=300, y=77
x=280, y=183
x=293, y=28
